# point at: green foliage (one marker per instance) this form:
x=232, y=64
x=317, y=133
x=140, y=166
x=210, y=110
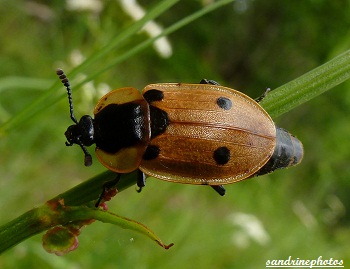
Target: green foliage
x=246, y=45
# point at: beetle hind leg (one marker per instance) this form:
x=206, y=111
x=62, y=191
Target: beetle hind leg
x=108, y=191
x=219, y=189
x=261, y=97
x=213, y=82
x=209, y=81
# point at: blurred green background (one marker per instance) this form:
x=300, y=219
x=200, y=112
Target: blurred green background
x=248, y=45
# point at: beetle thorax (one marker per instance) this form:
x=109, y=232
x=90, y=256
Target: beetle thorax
x=120, y=126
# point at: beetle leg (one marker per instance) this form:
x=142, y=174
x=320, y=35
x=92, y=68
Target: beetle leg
x=209, y=81
x=260, y=98
x=109, y=188
x=219, y=189
x=141, y=180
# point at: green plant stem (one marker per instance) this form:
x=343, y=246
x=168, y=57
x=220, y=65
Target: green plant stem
x=19, y=229
x=90, y=190
x=32, y=222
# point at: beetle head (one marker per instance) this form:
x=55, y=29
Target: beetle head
x=81, y=132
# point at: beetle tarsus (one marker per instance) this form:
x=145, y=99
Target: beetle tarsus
x=219, y=189
x=139, y=189
x=87, y=155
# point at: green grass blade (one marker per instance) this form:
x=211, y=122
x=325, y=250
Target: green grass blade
x=308, y=86
x=120, y=39
x=171, y=29
x=53, y=94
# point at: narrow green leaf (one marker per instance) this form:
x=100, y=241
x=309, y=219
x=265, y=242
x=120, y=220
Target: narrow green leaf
x=129, y=224
x=55, y=213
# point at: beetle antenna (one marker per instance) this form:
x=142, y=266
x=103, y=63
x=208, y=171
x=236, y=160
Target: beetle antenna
x=88, y=158
x=60, y=73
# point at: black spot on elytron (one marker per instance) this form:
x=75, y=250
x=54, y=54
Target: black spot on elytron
x=224, y=103
x=153, y=95
x=222, y=155
x=151, y=152
x=159, y=121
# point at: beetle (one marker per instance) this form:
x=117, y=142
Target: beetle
x=203, y=134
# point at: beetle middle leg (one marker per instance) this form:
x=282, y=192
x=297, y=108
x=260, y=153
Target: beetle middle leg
x=260, y=98
x=108, y=191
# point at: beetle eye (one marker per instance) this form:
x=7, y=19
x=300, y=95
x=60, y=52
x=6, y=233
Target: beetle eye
x=71, y=137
